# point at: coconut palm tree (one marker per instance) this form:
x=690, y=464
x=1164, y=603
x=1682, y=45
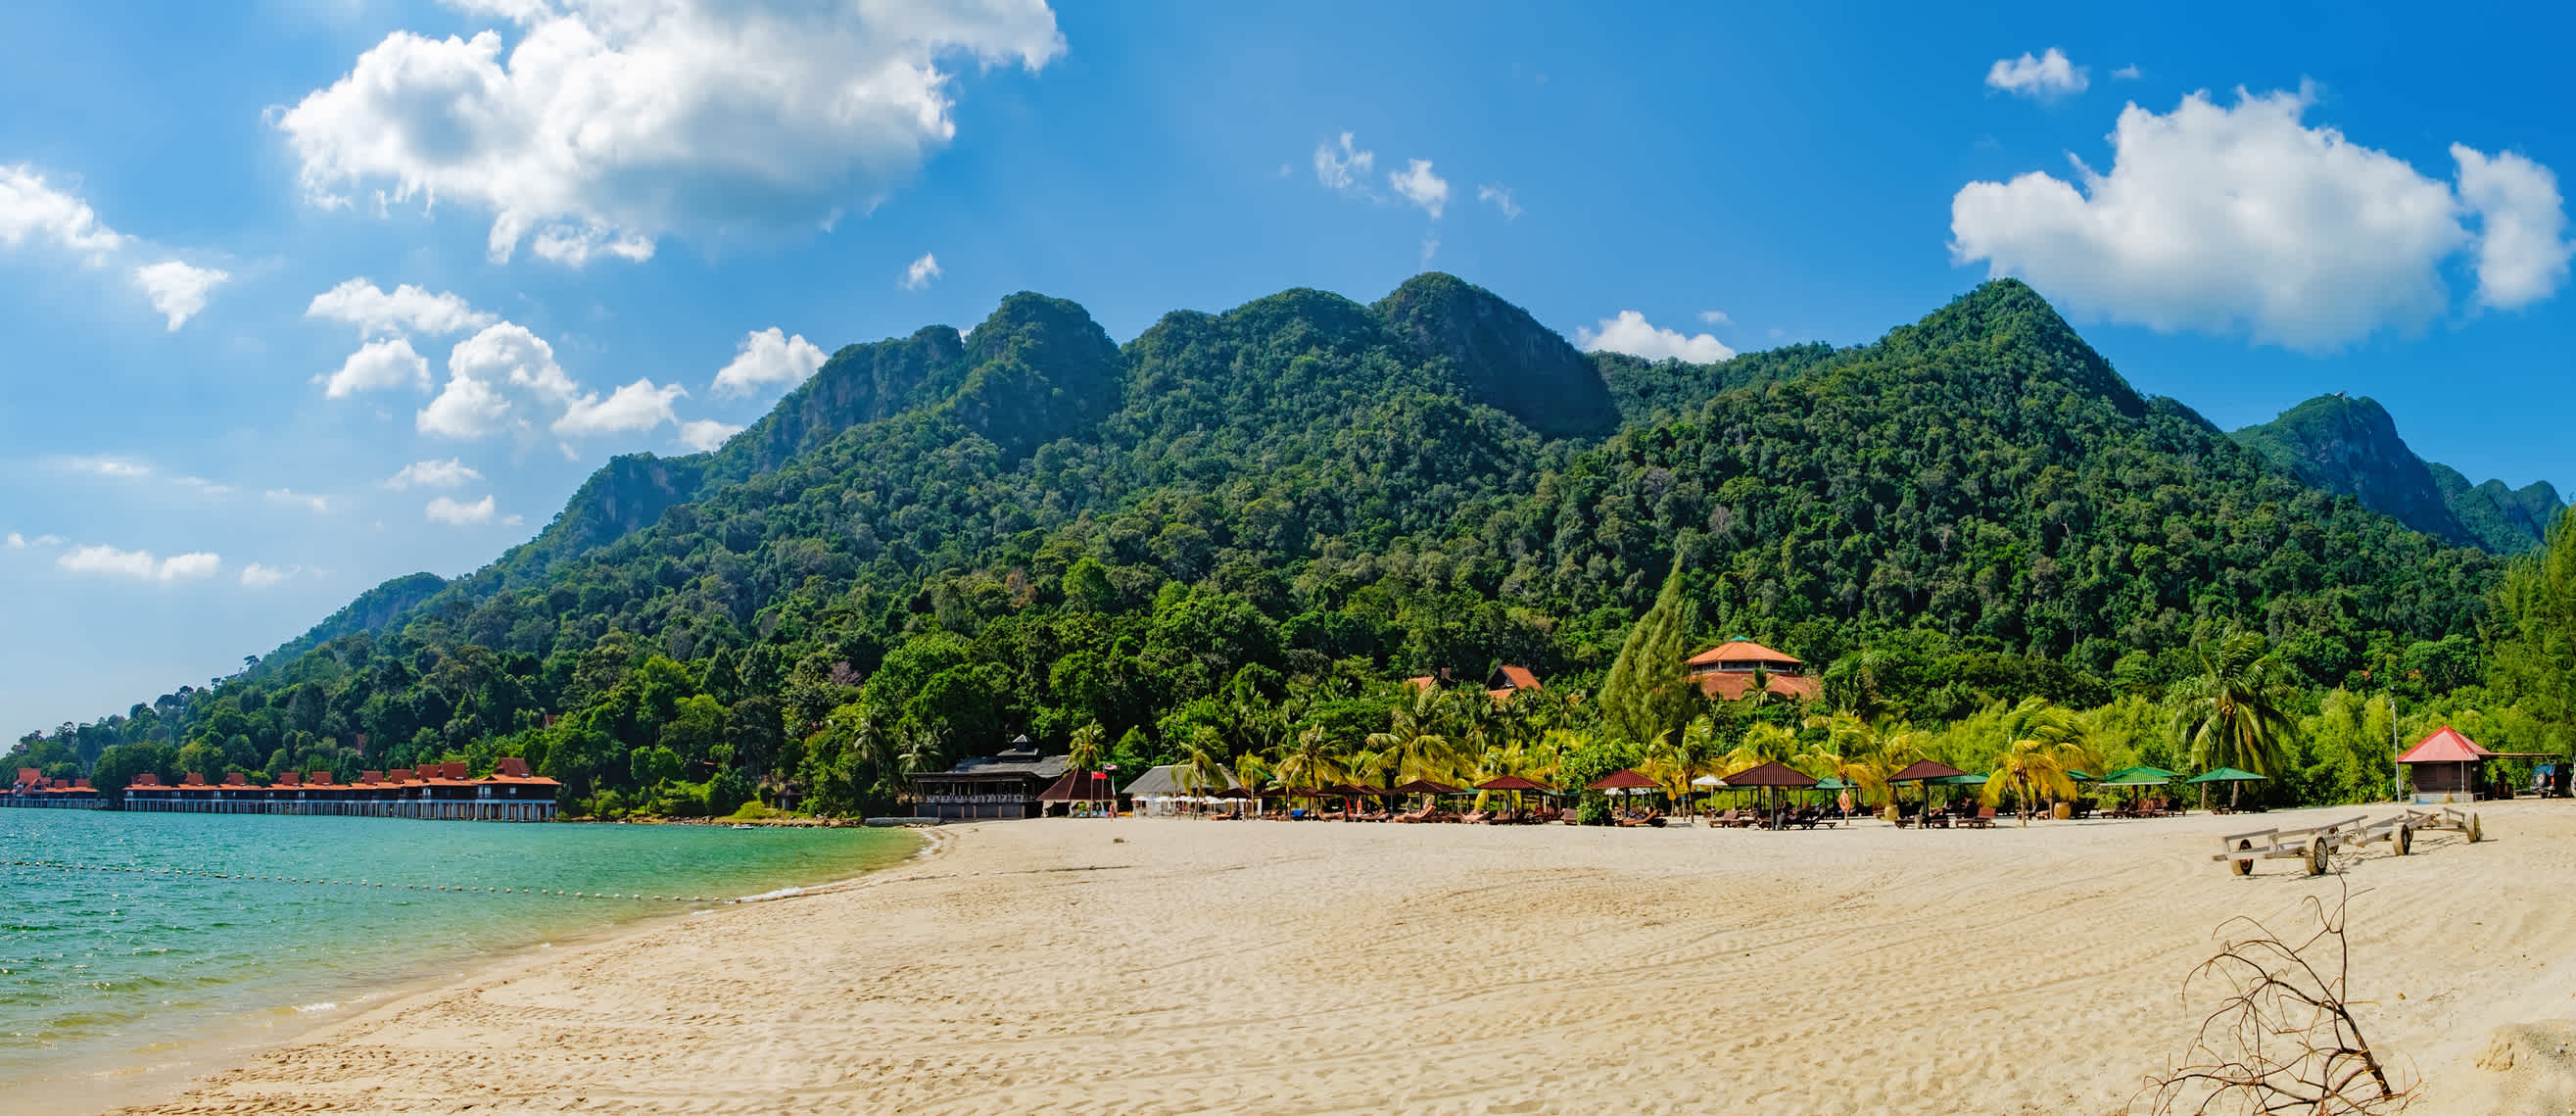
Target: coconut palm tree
x=2042, y=745
x=1084, y=753
x=1413, y=744
x=2231, y=713
x=1309, y=761
x=1201, y=763
x=1763, y=743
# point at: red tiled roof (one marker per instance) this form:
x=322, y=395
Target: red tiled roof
x=1420, y=684
x=1741, y=651
x=1518, y=678
x=1733, y=685
x=2446, y=745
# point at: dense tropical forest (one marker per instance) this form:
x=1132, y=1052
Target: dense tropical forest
x=1229, y=541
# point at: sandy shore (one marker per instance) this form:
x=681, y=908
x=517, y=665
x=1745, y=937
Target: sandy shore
x=1173, y=966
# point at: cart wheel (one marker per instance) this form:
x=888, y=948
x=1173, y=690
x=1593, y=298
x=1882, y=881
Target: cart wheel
x=2242, y=867
x=2404, y=841
x=2318, y=856
x=2476, y=834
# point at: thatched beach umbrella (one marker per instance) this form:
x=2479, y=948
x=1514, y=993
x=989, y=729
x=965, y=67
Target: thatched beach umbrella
x=1771, y=777
x=1923, y=771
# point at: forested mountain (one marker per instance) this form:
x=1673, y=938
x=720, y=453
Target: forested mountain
x=939, y=541
x=2350, y=446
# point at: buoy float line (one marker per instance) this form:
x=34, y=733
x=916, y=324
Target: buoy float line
x=61, y=866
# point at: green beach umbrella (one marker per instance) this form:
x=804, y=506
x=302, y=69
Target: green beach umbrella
x=1959, y=781
x=2138, y=777
x=2082, y=777
x=2227, y=775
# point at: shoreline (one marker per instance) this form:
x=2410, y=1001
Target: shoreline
x=1168, y=965
x=246, y=1037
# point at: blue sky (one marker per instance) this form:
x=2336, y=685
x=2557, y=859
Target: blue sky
x=210, y=214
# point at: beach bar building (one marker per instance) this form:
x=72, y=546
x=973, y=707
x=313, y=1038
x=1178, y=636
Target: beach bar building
x=2444, y=767
x=1004, y=785
x=1738, y=667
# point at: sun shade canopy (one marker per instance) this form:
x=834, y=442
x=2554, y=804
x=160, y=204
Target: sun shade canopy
x=1772, y=774
x=1512, y=783
x=1924, y=769
x=2226, y=775
x=1622, y=779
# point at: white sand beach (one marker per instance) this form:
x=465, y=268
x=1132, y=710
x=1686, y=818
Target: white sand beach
x=1183, y=966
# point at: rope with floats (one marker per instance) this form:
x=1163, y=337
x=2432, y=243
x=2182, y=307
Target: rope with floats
x=62, y=866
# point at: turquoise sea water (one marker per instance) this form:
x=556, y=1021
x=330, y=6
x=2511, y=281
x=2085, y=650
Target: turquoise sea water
x=114, y=979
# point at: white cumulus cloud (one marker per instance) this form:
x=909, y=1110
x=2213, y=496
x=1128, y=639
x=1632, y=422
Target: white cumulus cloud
x=378, y=365
x=457, y=513
x=1344, y=169
x=450, y=473
x=257, y=576
x=141, y=565
x=1416, y=184
x=2522, y=246
x=767, y=358
x=33, y=210
x=318, y=505
x=2129, y=72
x=637, y=406
x=610, y=123
x=921, y=272
x=2228, y=219
x=1715, y=317
x=1501, y=199
x=473, y=404
x=177, y=289
x=2049, y=75
x=704, y=435
x=1632, y=334
x=406, y=309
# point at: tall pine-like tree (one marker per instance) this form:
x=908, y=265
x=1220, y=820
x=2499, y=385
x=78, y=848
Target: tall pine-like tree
x=1648, y=690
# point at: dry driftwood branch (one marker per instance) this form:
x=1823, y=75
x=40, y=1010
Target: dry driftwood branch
x=2283, y=1038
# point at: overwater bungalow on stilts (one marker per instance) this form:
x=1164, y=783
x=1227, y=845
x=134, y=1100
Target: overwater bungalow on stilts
x=433, y=791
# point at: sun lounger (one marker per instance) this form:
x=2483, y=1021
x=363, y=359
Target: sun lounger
x=1984, y=819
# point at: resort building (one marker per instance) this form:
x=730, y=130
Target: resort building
x=32, y=789
x=1509, y=680
x=434, y=791
x=1158, y=793
x=1737, y=667
x=1004, y=785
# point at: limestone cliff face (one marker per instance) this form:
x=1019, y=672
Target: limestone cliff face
x=2350, y=446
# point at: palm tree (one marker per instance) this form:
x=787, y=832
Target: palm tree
x=1763, y=743
x=2230, y=714
x=1413, y=744
x=2043, y=739
x=1310, y=761
x=1202, y=762
x=1084, y=753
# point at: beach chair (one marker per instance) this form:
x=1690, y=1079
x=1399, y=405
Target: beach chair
x=1984, y=819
